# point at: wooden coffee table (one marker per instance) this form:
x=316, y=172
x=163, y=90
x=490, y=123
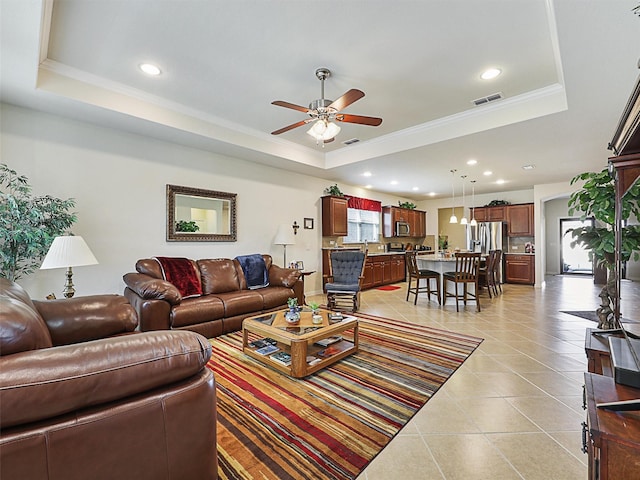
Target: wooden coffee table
x=300, y=340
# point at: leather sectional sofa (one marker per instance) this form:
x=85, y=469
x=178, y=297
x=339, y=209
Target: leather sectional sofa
x=225, y=300
x=83, y=397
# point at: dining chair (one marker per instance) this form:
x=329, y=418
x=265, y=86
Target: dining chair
x=487, y=274
x=344, y=281
x=466, y=273
x=419, y=274
x=497, y=268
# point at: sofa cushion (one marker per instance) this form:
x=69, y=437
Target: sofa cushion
x=196, y=310
x=275, y=296
x=21, y=327
x=241, y=302
x=218, y=276
x=284, y=277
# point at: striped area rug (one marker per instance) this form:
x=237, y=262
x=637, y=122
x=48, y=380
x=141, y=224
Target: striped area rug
x=331, y=424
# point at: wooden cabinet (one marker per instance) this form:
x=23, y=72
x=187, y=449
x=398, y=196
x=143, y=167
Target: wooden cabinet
x=334, y=216
x=520, y=220
x=610, y=439
x=383, y=270
x=417, y=220
x=489, y=214
x=519, y=269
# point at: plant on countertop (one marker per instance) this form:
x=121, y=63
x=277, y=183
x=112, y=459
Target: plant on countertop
x=596, y=199
x=28, y=224
x=334, y=190
x=184, y=226
x=406, y=205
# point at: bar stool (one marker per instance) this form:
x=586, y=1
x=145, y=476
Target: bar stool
x=415, y=272
x=466, y=273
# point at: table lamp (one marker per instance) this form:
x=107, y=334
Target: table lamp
x=67, y=252
x=284, y=237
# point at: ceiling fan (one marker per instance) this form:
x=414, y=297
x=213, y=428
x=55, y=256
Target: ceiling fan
x=323, y=112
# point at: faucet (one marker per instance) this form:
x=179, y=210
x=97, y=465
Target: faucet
x=366, y=245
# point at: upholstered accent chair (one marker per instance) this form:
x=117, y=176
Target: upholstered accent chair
x=344, y=281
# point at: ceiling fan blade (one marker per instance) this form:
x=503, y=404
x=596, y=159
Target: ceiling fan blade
x=347, y=99
x=291, y=127
x=293, y=106
x=361, y=119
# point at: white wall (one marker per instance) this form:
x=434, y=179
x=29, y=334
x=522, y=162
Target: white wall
x=119, y=179
x=554, y=210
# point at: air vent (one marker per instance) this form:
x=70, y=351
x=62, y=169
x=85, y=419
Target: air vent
x=490, y=98
x=351, y=142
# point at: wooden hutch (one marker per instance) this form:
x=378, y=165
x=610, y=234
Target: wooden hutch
x=612, y=438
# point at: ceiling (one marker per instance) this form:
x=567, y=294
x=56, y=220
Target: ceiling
x=568, y=67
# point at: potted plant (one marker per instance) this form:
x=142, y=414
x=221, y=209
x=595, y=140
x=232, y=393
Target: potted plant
x=28, y=224
x=334, y=190
x=184, y=226
x=293, y=314
x=596, y=199
x=315, y=312
x=409, y=205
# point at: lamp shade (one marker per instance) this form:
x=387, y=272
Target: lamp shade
x=284, y=235
x=68, y=251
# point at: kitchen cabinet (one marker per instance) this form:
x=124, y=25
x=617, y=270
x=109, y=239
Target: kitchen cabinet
x=334, y=216
x=520, y=220
x=417, y=220
x=519, y=268
x=383, y=270
x=490, y=214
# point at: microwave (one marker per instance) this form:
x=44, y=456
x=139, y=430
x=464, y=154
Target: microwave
x=402, y=229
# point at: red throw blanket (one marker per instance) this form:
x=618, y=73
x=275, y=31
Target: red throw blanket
x=182, y=274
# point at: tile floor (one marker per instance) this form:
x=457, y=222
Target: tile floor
x=514, y=408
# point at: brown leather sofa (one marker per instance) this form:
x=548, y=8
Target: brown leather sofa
x=225, y=299
x=75, y=405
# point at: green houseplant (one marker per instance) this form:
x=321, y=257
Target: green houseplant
x=28, y=224
x=334, y=190
x=184, y=226
x=596, y=199
x=409, y=205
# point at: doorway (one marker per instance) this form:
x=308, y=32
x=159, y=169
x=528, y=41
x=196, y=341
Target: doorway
x=574, y=260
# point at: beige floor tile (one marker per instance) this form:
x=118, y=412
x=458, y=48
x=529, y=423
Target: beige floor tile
x=510, y=384
x=553, y=383
x=469, y=456
x=547, y=412
x=406, y=457
x=538, y=457
x=495, y=415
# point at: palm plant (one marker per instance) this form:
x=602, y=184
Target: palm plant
x=28, y=224
x=596, y=199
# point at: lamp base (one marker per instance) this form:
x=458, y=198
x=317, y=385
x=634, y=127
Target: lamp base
x=69, y=291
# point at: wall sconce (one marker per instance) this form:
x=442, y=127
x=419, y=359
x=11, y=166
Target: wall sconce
x=295, y=227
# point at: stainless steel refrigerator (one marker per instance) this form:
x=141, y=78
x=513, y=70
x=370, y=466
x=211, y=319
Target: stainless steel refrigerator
x=487, y=236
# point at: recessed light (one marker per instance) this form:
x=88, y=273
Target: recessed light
x=472, y=161
x=490, y=73
x=150, y=69
x=432, y=194
x=368, y=186
x=487, y=173
x=500, y=181
x=367, y=174
x=394, y=182
x=528, y=167
x=415, y=189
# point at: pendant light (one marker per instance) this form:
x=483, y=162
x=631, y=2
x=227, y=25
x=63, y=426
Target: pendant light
x=453, y=218
x=473, y=221
x=463, y=220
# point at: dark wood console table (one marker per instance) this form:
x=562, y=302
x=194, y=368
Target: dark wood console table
x=610, y=438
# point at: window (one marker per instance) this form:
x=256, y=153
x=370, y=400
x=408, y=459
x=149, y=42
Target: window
x=363, y=220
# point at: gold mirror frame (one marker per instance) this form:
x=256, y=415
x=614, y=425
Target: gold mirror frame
x=197, y=193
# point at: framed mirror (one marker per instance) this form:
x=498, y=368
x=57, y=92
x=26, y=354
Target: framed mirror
x=197, y=215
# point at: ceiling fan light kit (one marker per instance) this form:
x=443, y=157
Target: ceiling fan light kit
x=324, y=112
